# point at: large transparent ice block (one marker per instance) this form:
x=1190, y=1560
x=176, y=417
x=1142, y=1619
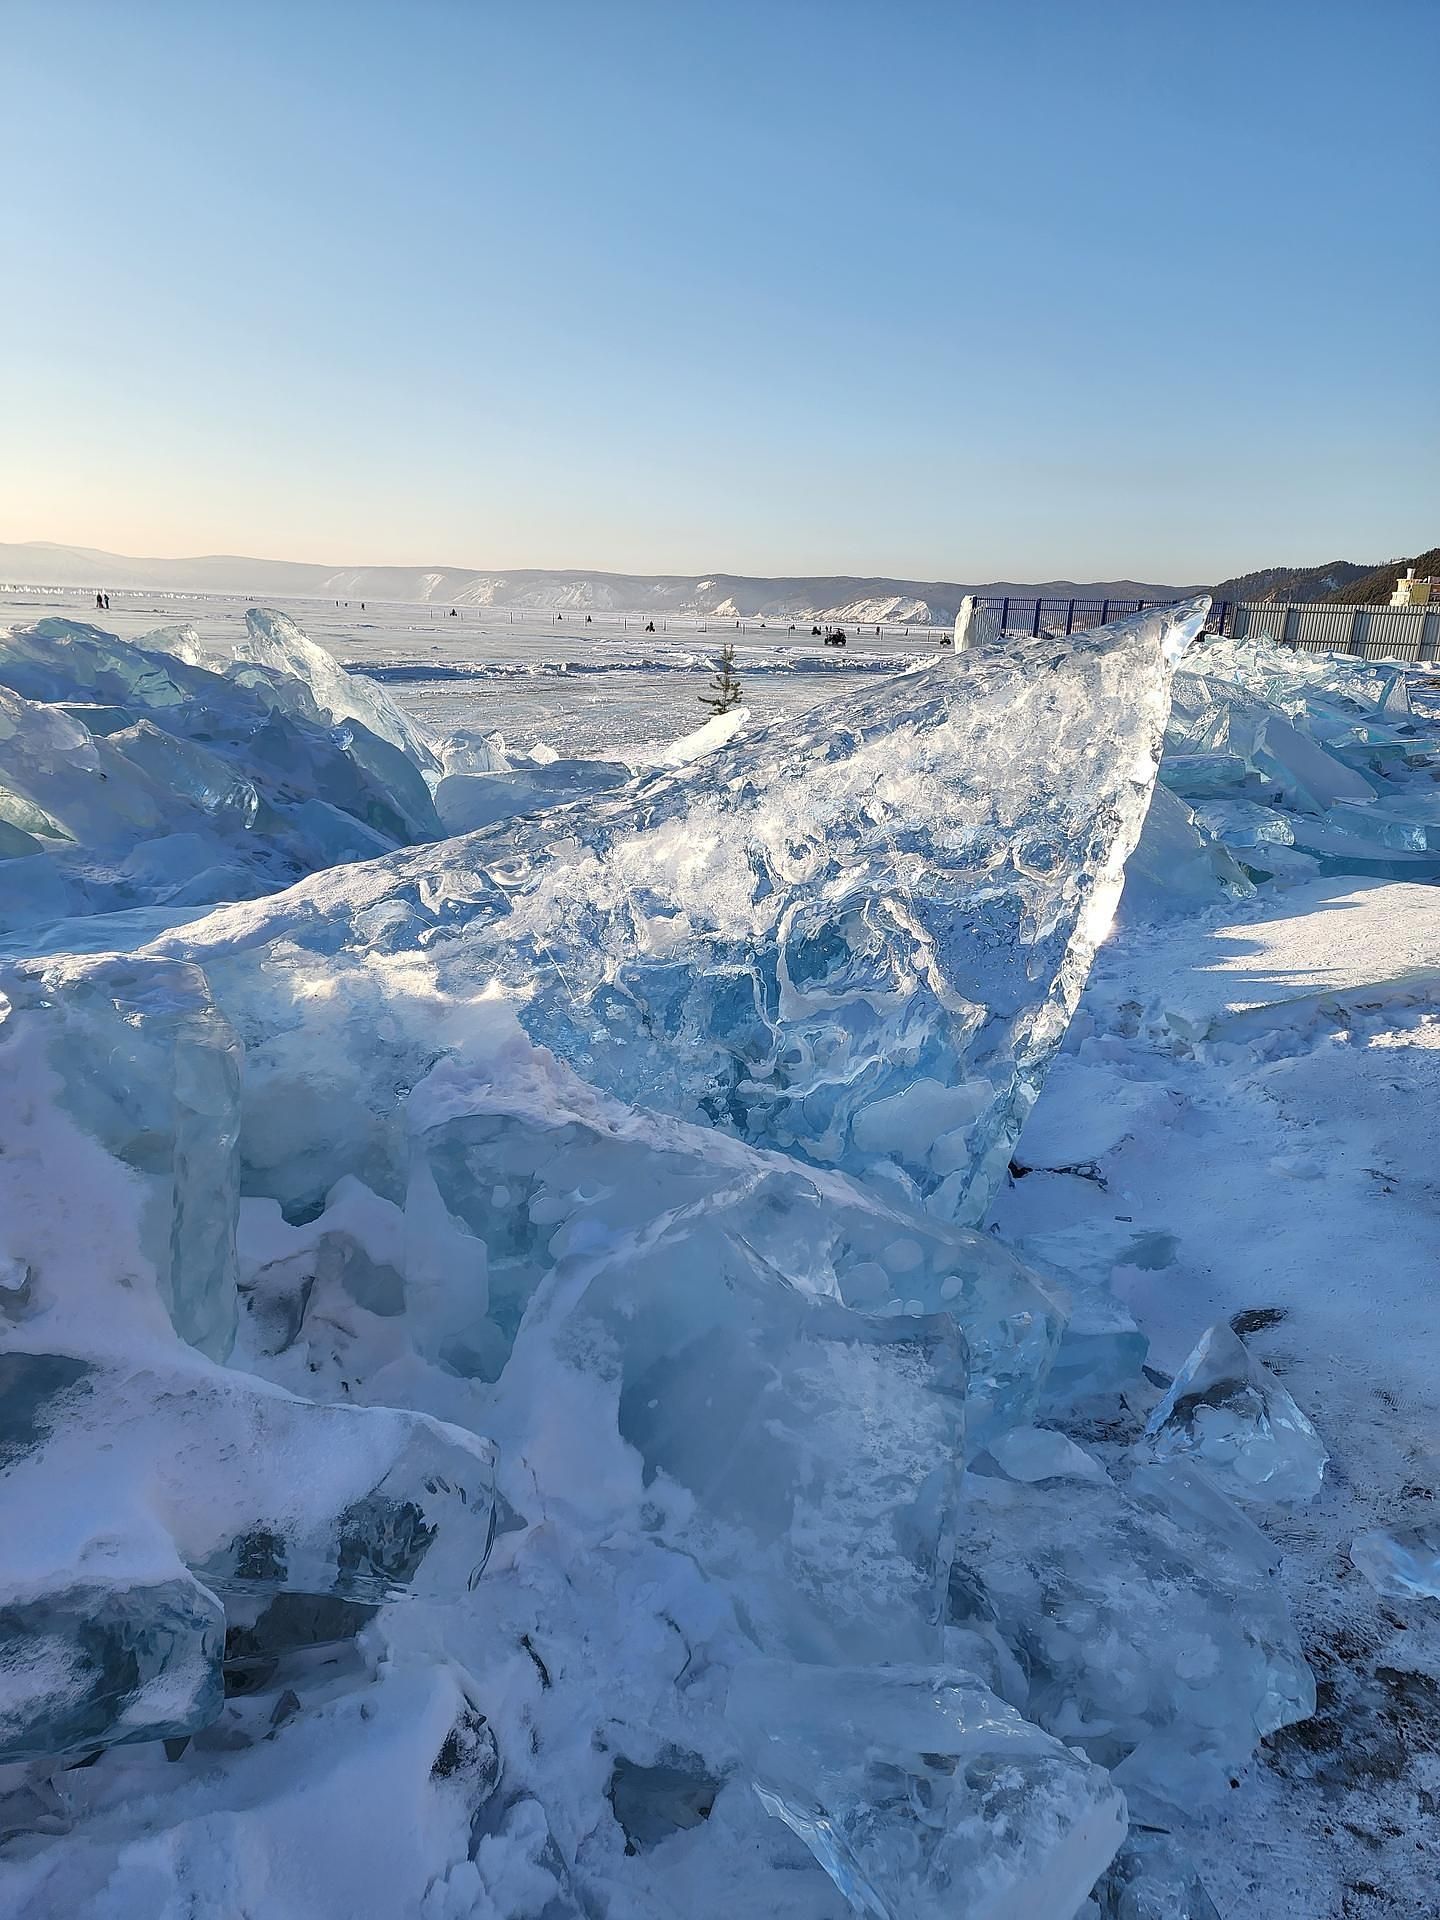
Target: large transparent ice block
x=856, y=937
x=807, y=1454
x=1145, y=1619
x=1232, y=1418
x=922, y=1795
x=535, y=1180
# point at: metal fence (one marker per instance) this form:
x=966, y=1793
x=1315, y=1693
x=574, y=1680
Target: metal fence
x=1009, y=613
x=1370, y=633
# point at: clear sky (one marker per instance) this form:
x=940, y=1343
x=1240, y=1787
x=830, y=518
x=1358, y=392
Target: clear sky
x=952, y=289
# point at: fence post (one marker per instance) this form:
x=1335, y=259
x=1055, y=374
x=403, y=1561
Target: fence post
x=1070, y=618
x=1004, y=613
x=1035, y=623
x=1104, y=611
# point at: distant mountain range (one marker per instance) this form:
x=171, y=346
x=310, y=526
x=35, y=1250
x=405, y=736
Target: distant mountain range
x=1326, y=582
x=720, y=596
x=1373, y=589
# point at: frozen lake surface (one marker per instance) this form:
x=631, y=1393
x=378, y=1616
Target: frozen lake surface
x=582, y=689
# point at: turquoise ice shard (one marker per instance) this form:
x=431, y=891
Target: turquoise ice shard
x=99, y=1664
x=151, y=1069
x=922, y=1795
x=1401, y=1566
x=274, y=640
x=1246, y=824
x=151, y=778
x=1407, y=821
x=1231, y=1417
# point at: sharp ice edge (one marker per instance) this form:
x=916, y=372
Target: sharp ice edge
x=1228, y=1414
x=639, y=1137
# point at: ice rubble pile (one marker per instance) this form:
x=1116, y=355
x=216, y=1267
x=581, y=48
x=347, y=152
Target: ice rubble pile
x=131, y=775
x=509, y=1366
x=1294, y=764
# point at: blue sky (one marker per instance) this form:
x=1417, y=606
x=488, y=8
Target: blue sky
x=955, y=290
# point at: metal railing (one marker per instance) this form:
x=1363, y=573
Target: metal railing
x=1011, y=613
x=1370, y=633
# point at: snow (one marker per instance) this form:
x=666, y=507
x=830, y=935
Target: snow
x=729, y=1477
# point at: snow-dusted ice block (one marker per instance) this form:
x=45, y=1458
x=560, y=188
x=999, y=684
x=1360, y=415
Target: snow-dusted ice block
x=542, y=1172
x=924, y=1796
x=122, y=1487
x=360, y=1804
x=97, y=1665
x=856, y=937
x=367, y=1503
x=1145, y=1620
x=150, y=1068
x=1401, y=1566
x=1229, y=1415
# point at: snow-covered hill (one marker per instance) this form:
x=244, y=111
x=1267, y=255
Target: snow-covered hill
x=839, y=597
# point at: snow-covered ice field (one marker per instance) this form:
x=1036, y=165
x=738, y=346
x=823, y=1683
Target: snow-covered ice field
x=581, y=689
x=1239, y=1122
x=1254, y=1130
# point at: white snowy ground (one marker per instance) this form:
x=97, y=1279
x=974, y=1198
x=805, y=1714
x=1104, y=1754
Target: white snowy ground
x=1249, y=1102
x=1245, y=1121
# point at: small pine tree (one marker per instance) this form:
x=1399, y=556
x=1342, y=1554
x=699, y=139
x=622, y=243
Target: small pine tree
x=726, y=686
